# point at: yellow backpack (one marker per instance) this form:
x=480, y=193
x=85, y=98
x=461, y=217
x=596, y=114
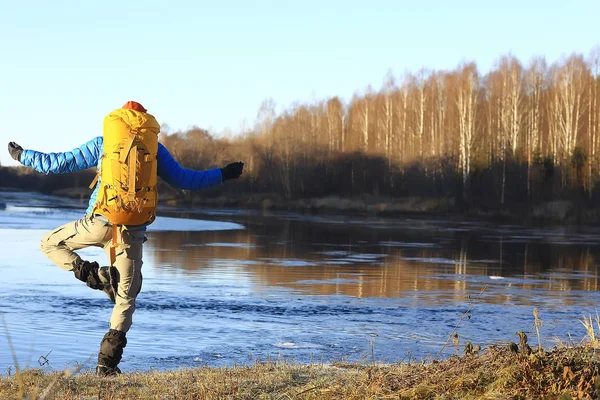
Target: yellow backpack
x=127, y=194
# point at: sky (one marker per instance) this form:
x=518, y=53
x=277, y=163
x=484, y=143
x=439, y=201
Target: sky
x=65, y=64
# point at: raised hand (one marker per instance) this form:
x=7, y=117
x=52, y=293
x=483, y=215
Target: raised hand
x=15, y=151
x=232, y=171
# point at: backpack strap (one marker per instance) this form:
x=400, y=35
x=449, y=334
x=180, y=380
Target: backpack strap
x=114, y=244
x=93, y=184
x=127, y=146
x=131, y=178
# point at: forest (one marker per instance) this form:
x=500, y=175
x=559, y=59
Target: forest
x=520, y=134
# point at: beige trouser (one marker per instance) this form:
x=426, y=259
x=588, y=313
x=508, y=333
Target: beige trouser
x=59, y=246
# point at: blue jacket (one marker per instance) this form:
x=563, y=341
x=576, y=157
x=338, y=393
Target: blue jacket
x=89, y=154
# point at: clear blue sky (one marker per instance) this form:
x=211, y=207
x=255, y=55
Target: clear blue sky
x=65, y=64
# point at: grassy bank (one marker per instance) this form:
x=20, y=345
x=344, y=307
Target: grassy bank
x=541, y=212
x=497, y=373
x=550, y=212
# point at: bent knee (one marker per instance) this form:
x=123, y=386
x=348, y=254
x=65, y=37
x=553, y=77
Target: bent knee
x=46, y=244
x=51, y=240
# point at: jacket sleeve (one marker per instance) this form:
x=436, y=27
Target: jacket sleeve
x=83, y=157
x=183, y=178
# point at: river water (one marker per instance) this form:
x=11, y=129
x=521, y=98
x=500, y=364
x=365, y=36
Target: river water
x=227, y=287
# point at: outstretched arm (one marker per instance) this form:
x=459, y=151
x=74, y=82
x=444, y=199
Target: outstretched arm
x=183, y=178
x=83, y=157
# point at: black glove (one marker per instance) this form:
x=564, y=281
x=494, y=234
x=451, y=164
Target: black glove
x=232, y=171
x=15, y=151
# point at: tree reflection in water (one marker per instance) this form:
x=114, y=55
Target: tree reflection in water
x=439, y=260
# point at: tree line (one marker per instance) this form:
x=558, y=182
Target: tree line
x=520, y=133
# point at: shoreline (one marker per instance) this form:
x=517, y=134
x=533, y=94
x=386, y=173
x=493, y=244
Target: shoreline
x=497, y=372
x=565, y=212
x=553, y=212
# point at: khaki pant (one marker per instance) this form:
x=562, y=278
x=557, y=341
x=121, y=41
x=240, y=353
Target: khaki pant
x=60, y=245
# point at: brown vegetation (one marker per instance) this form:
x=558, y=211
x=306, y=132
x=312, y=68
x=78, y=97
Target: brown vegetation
x=497, y=373
x=516, y=136
x=513, y=371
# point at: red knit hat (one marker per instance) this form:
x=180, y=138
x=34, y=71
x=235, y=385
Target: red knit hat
x=134, y=105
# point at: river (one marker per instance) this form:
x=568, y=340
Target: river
x=227, y=287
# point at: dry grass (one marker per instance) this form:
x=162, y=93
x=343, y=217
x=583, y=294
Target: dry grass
x=497, y=373
x=592, y=338
x=515, y=371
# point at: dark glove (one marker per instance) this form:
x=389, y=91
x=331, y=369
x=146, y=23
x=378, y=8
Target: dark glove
x=15, y=151
x=232, y=171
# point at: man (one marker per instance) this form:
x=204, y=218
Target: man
x=122, y=280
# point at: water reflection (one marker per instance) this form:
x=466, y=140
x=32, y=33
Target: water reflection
x=387, y=258
x=294, y=285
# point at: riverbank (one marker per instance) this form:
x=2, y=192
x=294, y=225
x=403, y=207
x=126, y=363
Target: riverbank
x=497, y=373
x=549, y=212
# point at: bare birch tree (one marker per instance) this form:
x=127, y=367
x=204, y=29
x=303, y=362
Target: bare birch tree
x=387, y=116
x=335, y=124
x=593, y=114
x=466, y=99
x=568, y=107
x=535, y=77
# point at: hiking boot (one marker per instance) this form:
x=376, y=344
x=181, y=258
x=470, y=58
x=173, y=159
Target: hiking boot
x=111, y=351
x=83, y=269
x=99, y=278
x=103, y=370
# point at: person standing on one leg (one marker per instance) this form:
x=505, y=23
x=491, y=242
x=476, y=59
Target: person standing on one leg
x=129, y=159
